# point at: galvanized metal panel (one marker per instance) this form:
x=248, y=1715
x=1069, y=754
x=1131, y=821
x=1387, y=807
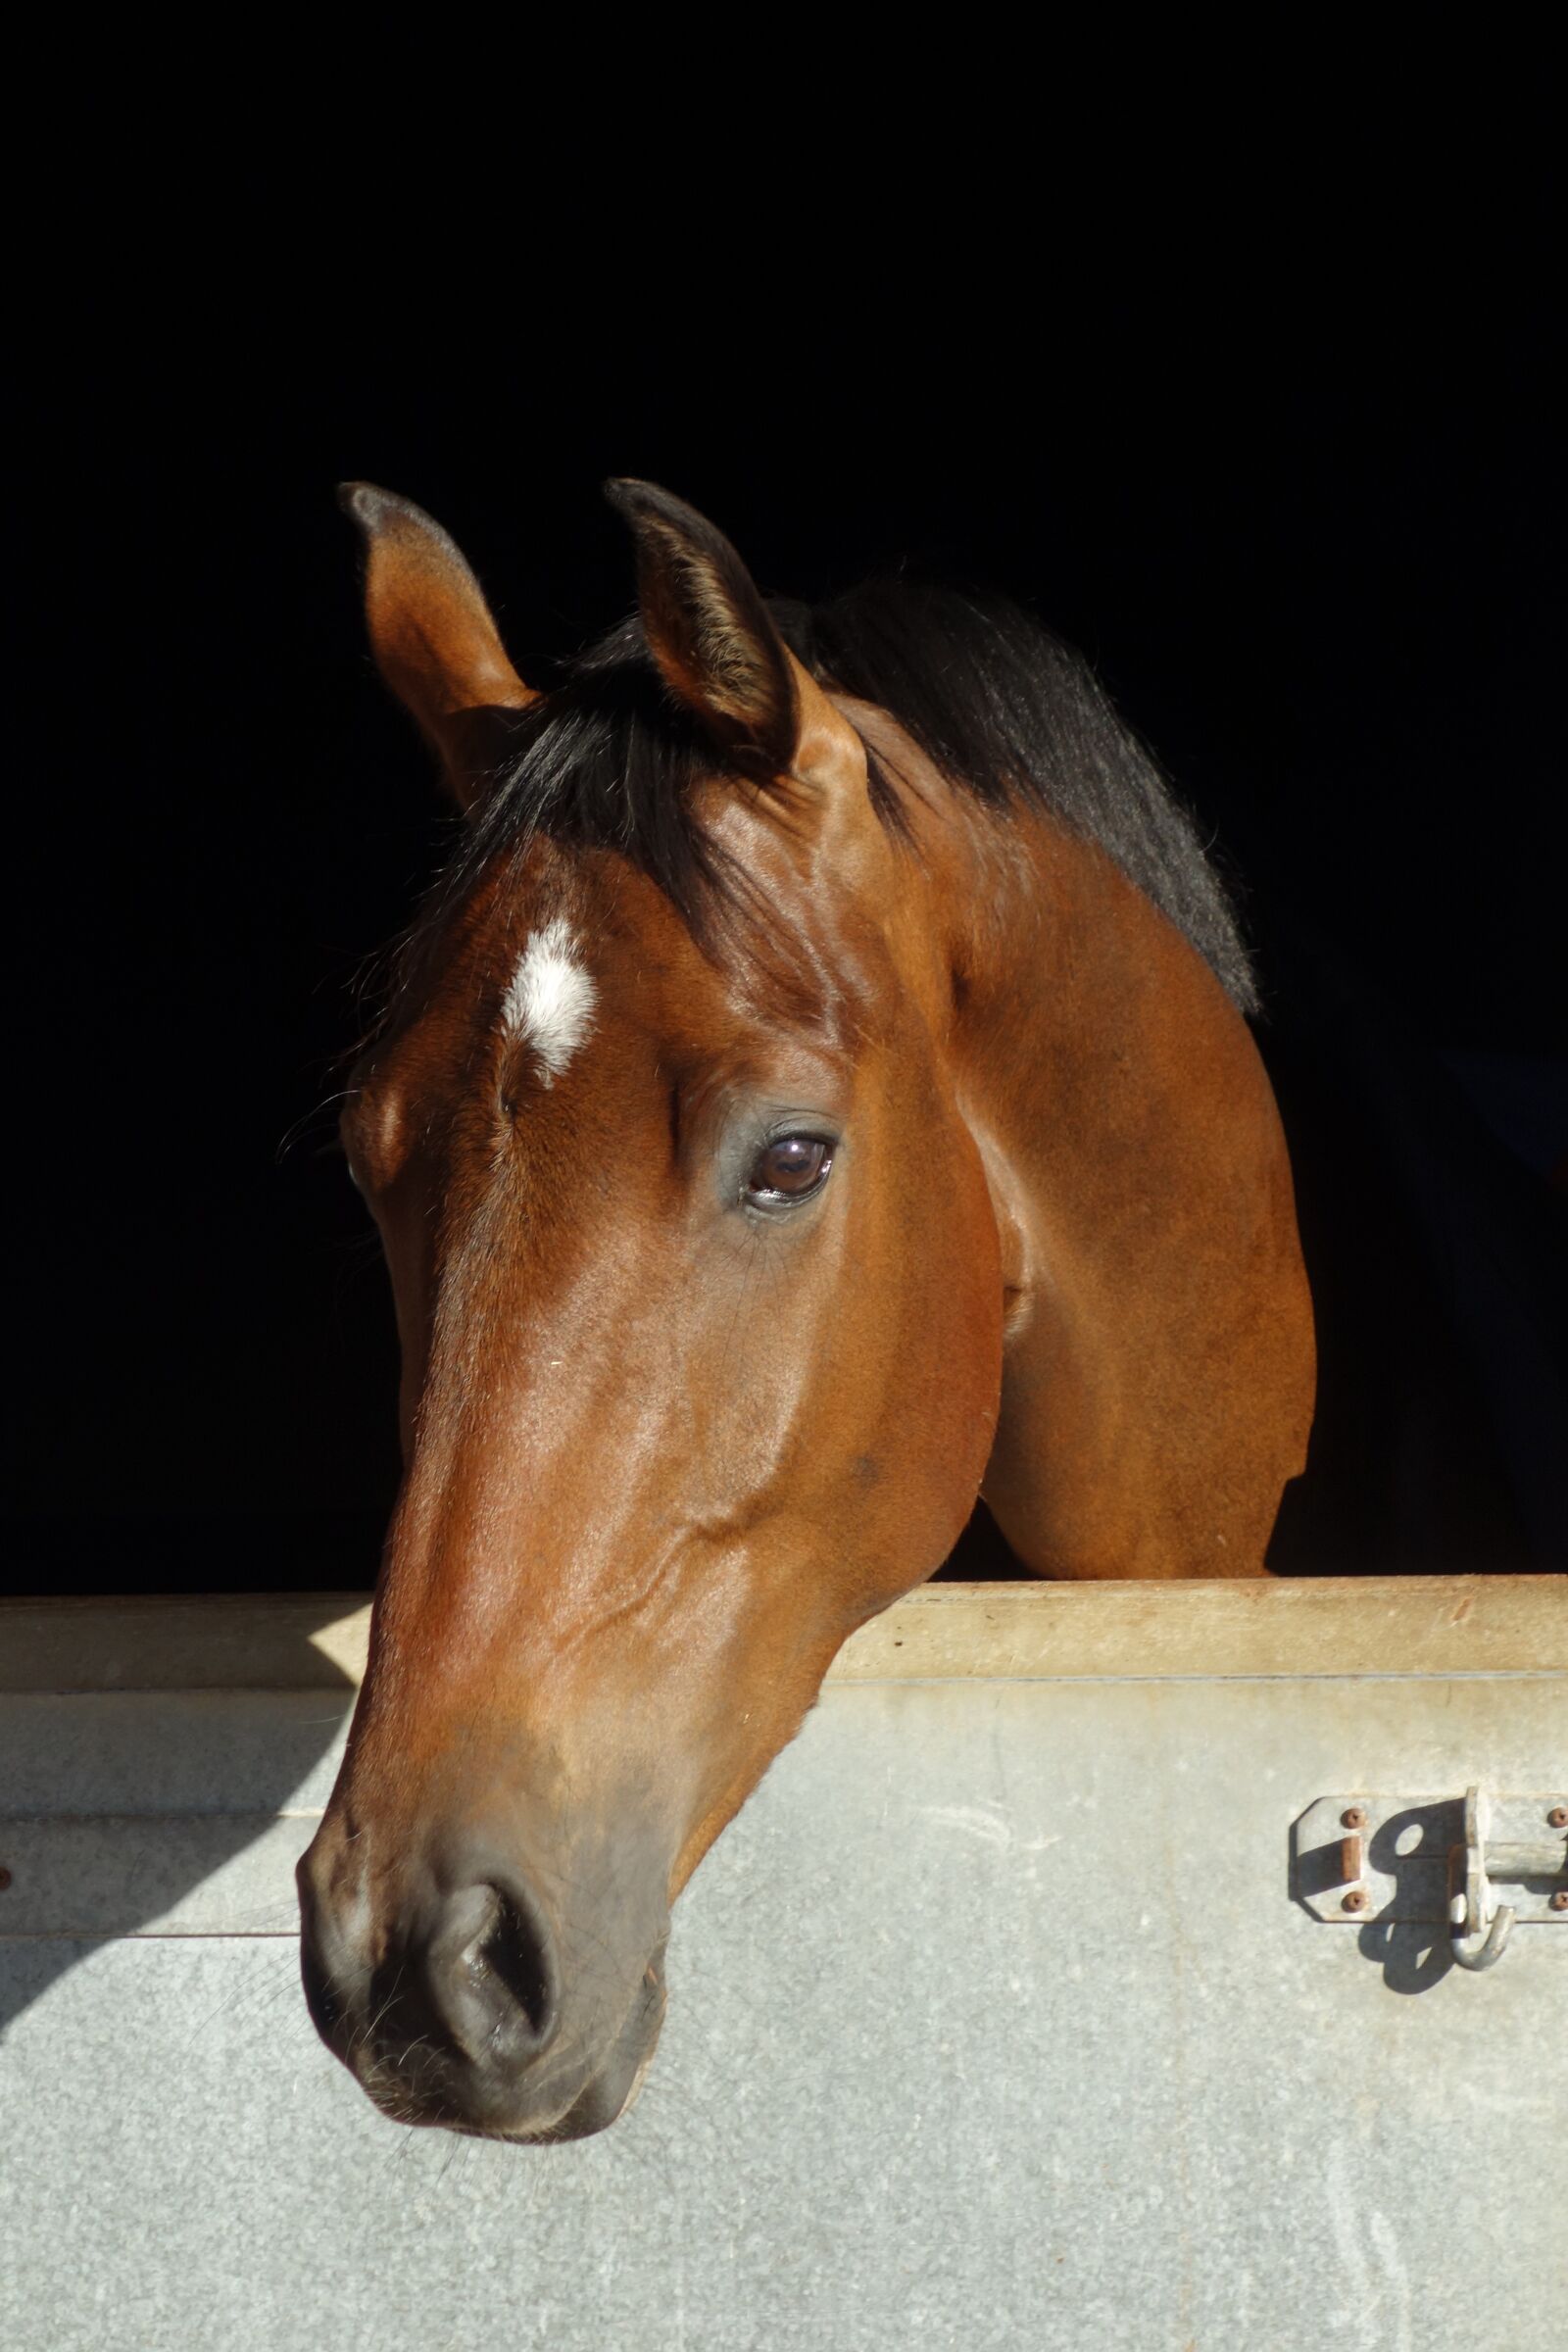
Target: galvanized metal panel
x=152, y=1874
x=993, y=2024
x=170, y=1751
x=161, y=1813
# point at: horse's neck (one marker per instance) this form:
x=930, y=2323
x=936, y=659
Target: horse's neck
x=1159, y=1367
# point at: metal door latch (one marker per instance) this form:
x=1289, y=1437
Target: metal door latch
x=1436, y=1859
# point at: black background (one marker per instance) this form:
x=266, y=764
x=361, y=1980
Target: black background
x=1288, y=468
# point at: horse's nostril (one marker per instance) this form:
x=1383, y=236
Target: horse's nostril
x=513, y=1951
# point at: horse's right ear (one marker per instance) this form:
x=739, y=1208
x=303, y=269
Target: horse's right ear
x=433, y=639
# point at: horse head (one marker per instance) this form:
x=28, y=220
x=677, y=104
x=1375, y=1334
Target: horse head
x=700, y=1297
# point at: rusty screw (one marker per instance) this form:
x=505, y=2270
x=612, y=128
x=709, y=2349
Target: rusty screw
x=1356, y=1900
x=1353, y=1818
x=1558, y=1817
x=1560, y=1902
x=4, y=1878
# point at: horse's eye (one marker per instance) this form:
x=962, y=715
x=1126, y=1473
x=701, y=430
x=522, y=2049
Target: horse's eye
x=789, y=1167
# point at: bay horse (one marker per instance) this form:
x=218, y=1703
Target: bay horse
x=819, y=1093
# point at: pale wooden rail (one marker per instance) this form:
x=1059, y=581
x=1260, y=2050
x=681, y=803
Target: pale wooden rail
x=1311, y=1626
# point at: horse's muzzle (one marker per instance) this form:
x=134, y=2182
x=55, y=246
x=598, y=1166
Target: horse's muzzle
x=454, y=1997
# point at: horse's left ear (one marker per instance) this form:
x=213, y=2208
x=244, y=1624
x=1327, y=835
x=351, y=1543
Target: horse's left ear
x=713, y=641
x=433, y=639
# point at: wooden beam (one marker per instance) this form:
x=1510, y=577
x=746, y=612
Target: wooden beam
x=1439, y=1625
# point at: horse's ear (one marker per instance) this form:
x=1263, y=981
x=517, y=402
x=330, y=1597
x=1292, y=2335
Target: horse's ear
x=708, y=629
x=434, y=641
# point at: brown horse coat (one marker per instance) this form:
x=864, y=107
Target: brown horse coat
x=737, y=1245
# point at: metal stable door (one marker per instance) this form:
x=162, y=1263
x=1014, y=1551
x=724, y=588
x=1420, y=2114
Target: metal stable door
x=1119, y=1966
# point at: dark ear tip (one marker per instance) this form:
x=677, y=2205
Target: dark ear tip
x=629, y=496
x=639, y=502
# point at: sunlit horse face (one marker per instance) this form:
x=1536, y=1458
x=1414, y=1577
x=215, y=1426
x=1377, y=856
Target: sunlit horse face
x=698, y=1290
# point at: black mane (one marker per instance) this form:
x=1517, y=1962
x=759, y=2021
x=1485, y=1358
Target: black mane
x=1004, y=709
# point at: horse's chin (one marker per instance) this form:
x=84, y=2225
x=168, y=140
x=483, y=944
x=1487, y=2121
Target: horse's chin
x=612, y=2093
x=608, y=2094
